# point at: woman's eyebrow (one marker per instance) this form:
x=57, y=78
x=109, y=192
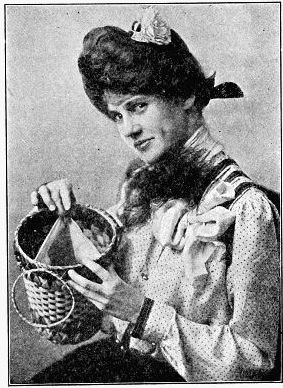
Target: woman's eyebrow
x=131, y=104
x=126, y=105
x=112, y=110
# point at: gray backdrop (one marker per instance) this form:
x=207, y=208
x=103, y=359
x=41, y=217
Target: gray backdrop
x=54, y=132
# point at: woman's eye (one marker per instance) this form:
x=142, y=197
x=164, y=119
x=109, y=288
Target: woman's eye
x=141, y=107
x=117, y=117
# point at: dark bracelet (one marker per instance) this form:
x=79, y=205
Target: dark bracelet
x=139, y=327
x=124, y=342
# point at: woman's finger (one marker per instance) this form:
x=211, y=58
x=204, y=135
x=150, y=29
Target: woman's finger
x=84, y=282
x=55, y=195
x=46, y=197
x=181, y=228
x=102, y=273
x=89, y=293
x=66, y=194
x=100, y=306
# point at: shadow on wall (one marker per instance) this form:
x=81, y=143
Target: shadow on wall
x=54, y=132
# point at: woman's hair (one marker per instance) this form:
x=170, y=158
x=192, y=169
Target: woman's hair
x=113, y=62
x=177, y=174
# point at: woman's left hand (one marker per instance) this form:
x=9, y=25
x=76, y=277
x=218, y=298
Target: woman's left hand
x=113, y=295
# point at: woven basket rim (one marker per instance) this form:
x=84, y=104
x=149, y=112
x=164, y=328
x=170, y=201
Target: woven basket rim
x=101, y=212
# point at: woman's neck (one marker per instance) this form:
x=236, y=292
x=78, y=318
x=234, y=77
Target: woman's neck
x=201, y=140
x=195, y=121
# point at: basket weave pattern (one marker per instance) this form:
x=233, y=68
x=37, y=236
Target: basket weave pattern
x=48, y=306
x=49, y=301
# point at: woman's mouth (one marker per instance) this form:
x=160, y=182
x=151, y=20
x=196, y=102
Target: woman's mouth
x=142, y=145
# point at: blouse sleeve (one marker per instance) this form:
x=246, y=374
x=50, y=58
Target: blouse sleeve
x=244, y=348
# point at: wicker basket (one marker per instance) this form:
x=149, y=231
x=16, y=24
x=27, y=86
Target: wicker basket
x=59, y=313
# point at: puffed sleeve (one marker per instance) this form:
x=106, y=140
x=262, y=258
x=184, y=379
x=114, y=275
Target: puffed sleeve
x=245, y=347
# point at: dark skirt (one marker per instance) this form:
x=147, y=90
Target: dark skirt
x=104, y=362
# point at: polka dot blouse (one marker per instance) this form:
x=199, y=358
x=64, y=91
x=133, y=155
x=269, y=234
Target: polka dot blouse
x=222, y=325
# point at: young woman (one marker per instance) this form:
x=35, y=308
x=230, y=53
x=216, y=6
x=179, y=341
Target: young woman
x=194, y=294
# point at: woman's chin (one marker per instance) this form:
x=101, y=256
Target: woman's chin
x=149, y=159
x=151, y=155
x=154, y=155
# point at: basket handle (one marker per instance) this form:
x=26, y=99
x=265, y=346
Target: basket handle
x=40, y=324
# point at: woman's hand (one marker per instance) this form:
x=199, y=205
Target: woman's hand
x=55, y=195
x=113, y=295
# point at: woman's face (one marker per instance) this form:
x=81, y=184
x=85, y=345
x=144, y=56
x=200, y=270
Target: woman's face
x=147, y=124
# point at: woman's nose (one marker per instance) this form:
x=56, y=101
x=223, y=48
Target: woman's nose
x=132, y=129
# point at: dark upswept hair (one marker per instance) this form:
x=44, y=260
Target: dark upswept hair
x=113, y=62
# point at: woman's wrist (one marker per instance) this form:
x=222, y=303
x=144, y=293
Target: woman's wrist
x=135, y=302
x=136, y=325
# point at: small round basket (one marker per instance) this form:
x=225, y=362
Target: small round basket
x=59, y=313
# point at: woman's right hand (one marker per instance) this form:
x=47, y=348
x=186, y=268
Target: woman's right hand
x=55, y=195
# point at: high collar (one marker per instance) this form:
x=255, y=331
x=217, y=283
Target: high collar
x=202, y=140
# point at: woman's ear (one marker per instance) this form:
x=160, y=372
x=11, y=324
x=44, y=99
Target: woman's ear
x=189, y=103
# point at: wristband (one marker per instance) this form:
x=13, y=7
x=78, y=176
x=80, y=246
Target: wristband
x=139, y=327
x=124, y=343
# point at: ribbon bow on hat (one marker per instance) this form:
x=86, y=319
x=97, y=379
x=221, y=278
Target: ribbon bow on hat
x=196, y=232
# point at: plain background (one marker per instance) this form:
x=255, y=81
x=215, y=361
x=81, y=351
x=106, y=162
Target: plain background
x=53, y=131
